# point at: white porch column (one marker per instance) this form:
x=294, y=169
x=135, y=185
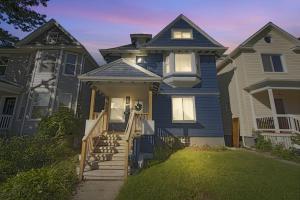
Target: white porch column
x=253, y=112
x=273, y=108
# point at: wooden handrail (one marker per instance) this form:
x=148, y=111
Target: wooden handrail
x=97, y=128
x=130, y=133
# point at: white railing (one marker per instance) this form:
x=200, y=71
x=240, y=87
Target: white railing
x=5, y=121
x=286, y=123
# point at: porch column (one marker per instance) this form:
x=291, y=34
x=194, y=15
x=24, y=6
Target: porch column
x=273, y=108
x=92, y=104
x=253, y=112
x=150, y=105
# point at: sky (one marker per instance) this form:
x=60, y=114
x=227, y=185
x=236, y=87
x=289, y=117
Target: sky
x=99, y=24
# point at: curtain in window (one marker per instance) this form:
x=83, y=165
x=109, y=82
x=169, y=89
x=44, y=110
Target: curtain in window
x=183, y=63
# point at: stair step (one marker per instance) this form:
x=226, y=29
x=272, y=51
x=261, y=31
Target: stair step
x=108, y=167
x=112, y=163
x=104, y=178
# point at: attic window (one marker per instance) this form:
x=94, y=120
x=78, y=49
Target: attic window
x=182, y=34
x=52, y=37
x=268, y=39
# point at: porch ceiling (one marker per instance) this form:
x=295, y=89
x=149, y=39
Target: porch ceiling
x=293, y=84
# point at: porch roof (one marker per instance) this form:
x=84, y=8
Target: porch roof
x=7, y=86
x=273, y=84
x=119, y=71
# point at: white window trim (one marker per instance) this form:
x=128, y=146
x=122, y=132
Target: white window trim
x=65, y=62
x=4, y=55
x=184, y=121
x=283, y=63
x=182, y=29
x=31, y=107
x=70, y=103
x=40, y=60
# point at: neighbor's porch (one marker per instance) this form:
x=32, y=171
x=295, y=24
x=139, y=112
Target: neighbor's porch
x=276, y=110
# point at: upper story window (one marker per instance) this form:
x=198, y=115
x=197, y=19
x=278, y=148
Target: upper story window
x=182, y=34
x=183, y=109
x=141, y=60
x=183, y=62
x=70, y=64
x=272, y=63
x=3, y=64
x=48, y=61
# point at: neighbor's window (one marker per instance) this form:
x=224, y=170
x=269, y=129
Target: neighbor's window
x=183, y=62
x=65, y=100
x=70, y=64
x=183, y=109
x=182, y=34
x=272, y=63
x=40, y=105
x=3, y=64
x=48, y=61
x=141, y=60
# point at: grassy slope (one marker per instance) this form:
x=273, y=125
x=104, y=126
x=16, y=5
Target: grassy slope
x=190, y=174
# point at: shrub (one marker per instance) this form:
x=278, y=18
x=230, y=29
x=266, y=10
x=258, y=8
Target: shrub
x=61, y=123
x=287, y=154
x=262, y=144
x=55, y=182
x=24, y=153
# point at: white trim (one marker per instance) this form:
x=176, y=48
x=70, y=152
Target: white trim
x=79, y=83
x=253, y=112
x=194, y=106
x=65, y=62
x=277, y=88
x=273, y=108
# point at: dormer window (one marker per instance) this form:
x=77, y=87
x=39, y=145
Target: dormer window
x=182, y=34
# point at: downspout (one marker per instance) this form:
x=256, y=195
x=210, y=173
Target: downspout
x=234, y=66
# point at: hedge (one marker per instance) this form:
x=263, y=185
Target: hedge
x=52, y=183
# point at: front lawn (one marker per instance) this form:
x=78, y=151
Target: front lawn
x=191, y=174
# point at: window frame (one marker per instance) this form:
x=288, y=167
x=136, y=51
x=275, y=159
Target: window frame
x=136, y=59
x=58, y=100
x=33, y=105
x=194, y=107
x=6, y=66
x=65, y=63
x=182, y=30
x=39, y=63
x=282, y=60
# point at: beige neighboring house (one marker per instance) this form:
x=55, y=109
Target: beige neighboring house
x=260, y=85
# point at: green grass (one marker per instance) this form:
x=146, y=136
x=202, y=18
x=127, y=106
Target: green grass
x=190, y=174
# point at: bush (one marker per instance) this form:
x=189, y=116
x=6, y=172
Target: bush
x=287, y=154
x=262, y=144
x=55, y=182
x=19, y=154
x=60, y=124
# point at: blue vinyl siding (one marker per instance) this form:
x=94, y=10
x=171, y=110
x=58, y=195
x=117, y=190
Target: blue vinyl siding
x=154, y=63
x=208, y=117
x=165, y=39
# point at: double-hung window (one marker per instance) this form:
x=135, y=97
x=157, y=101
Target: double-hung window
x=40, y=104
x=183, y=109
x=3, y=64
x=182, y=34
x=183, y=62
x=70, y=64
x=272, y=63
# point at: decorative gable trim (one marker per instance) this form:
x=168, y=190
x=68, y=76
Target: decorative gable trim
x=51, y=23
x=192, y=24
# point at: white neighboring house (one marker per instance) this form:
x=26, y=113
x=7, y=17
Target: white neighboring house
x=260, y=84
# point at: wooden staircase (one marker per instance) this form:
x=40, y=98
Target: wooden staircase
x=107, y=161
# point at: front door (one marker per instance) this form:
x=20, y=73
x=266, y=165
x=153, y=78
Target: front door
x=117, y=119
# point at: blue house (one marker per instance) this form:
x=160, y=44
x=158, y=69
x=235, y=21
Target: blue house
x=171, y=78
x=165, y=86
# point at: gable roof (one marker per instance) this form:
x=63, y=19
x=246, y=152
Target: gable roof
x=192, y=24
x=47, y=26
x=120, y=70
x=51, y=23
x=248, y=43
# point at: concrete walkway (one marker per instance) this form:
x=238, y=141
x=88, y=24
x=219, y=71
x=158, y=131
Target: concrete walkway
x=98, y=190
